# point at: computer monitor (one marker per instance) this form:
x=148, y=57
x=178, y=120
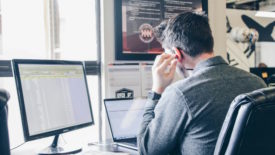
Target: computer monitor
x=267, y=74
x=54, y=99
x=135, y=20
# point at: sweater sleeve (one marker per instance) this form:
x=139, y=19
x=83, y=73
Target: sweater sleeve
x=164, y=122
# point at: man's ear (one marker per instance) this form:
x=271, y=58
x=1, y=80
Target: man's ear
x=178, y=53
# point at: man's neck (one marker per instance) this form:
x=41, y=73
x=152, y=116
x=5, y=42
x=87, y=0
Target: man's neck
x=194, y=61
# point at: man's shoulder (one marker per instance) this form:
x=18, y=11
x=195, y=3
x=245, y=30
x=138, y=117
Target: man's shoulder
x=227, y=73
x=245, y=74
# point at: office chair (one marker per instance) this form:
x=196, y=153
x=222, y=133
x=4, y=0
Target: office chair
x=271, y=81
x=249, y=126
x=4, y=134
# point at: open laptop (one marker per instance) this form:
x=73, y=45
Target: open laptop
x=125, y=117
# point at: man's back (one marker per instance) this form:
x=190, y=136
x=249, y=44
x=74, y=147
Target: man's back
x=188, y=117
x=208, y=94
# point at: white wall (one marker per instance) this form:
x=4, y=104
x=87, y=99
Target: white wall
x=216, y=12
x=264, y=52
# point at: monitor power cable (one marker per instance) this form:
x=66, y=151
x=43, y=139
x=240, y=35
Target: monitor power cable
x=17, y=146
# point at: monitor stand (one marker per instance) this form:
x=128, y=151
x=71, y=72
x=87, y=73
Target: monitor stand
x=54, y=149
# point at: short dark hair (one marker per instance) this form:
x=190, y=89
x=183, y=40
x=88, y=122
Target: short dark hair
x=158, y=31
x=190, y=32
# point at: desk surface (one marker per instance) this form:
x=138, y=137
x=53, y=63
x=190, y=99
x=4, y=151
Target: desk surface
x=108, y=148
x=95, y=149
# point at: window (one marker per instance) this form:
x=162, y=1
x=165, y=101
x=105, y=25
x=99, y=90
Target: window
x=24, y=29
x=50, y=29
x=75, y=29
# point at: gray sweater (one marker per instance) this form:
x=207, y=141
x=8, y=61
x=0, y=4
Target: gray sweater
x=189, y=115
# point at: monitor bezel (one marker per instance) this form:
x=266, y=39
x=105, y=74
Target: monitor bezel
x=27, y=136
x=119, y=55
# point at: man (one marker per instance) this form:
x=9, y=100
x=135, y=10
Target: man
x=186, y=117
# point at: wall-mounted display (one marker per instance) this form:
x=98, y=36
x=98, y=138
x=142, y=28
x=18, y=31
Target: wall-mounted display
x=135, y=20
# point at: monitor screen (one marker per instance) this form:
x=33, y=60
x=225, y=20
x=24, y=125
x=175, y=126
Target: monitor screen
x=53, y=96
x=267, y=74
x=136, y=19
x=125, y=116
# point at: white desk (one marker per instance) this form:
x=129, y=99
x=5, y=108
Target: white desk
x=32, y=148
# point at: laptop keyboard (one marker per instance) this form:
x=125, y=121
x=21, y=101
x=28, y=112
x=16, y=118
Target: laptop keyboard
x=132, y=143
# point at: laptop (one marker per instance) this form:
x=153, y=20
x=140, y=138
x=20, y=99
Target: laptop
x=125, y=117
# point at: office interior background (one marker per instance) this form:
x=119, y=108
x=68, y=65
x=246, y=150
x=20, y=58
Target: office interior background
x=85, y=30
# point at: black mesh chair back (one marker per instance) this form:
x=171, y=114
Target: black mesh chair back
x=249, y=126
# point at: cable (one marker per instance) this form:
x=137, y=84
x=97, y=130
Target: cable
x=17, y=146
x=63, y=139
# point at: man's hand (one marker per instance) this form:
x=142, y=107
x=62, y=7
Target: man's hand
x=163, y=72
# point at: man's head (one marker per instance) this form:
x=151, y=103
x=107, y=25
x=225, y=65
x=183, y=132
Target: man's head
x=158, y=31
x=189, y=32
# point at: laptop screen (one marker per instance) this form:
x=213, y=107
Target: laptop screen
x=125, y=116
